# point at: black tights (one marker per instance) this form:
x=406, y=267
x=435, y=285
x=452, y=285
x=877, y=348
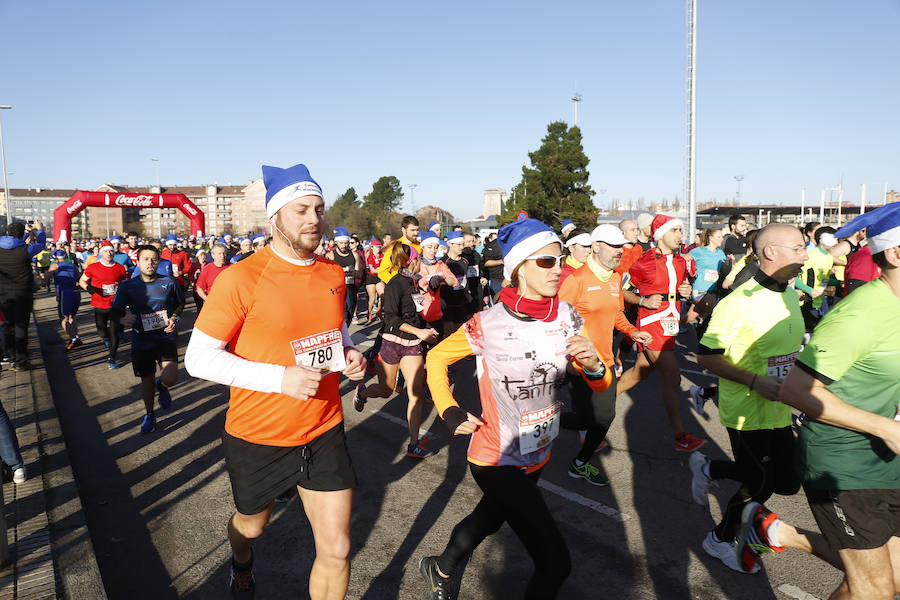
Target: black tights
x=594, y=411
x=764, y=464
x=108, y=328
x=512, y=496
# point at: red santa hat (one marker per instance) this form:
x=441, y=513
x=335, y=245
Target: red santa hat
x=662, y=224
x=106, y=244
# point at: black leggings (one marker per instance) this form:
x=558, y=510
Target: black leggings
x=594, y=411
x=351, y=301
x=108, y=328
x=16, y=308
x=764, y=464
x=512, y=496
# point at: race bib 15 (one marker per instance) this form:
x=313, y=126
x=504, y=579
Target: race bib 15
x=780, y=366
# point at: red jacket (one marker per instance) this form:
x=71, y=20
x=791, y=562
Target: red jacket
x=181, y=263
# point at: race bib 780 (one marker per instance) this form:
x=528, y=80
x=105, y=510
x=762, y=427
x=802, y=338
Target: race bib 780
x=321, y=351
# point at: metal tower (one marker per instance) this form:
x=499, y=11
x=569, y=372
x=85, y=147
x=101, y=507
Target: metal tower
x=691, y=170
x=576, y=98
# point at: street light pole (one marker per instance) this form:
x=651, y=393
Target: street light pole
x=3, y=160
x=412, y=196
x=158, y=189
x=739, y=179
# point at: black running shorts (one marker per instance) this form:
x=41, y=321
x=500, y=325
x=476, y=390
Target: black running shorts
x=856, y=519
x=143, y=361
x=259, y=473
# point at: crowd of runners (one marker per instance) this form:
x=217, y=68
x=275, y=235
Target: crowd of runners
x=801, y=326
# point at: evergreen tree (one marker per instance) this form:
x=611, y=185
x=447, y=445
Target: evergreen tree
x=385, y=196
x=346, y=211
x=556, y=186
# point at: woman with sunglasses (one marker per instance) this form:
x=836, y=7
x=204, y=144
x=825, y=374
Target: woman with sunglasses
x=524, y=347
x=401, y=347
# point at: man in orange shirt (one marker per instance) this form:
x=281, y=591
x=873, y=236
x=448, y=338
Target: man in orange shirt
x=631, y=252
x=595, y=290
x=284, y=425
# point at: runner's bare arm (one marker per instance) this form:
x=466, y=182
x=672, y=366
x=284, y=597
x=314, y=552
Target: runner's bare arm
x=809, y=395
x=630, y=297
x=356, y=362
x=765, y=386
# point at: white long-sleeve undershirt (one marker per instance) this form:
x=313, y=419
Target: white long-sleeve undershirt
x=207, y=358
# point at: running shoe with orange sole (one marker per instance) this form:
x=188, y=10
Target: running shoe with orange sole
x=753, y=536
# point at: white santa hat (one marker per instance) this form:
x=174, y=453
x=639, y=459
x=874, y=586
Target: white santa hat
x=662, y=224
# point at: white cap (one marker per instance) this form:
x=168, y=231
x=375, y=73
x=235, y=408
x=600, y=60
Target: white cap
x=609, y=234
x=582, y=239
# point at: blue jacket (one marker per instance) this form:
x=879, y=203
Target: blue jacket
x=15, y=262
x=7, y=242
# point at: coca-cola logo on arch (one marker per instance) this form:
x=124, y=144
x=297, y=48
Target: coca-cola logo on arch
x=141, y=200
x=76, y=206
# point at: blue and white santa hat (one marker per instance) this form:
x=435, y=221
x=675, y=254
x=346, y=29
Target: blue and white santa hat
x=567, y=225
x=434, y=225
x=257, y=237
x=284, y=185
x=115, y=238
x=341, y=234
x=454, y=236
x=429, y=237
x=220, y=240
x=520, y=239
x=171, y=239
x=882, y=227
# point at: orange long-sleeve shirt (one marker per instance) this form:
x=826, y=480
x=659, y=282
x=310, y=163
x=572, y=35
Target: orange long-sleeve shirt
x=600, y=304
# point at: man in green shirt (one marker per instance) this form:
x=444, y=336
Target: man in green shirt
x=753, y=337
x=847, y=384
x=816, y=273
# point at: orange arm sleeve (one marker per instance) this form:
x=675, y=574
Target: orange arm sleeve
x=453, y=348
x=597, y=385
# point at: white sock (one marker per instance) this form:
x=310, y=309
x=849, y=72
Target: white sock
x=772, y=532
x=705, y=469
x=578, y=463
x=582, y=433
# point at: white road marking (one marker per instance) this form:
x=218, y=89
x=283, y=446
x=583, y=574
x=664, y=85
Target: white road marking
x=579, y=499
x=794, y=592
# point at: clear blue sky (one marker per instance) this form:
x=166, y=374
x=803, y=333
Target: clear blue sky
x=452, y=96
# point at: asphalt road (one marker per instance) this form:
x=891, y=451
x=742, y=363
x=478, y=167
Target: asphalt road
x=156, y=505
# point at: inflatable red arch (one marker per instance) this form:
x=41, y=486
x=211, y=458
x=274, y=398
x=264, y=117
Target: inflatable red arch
x=62, y=216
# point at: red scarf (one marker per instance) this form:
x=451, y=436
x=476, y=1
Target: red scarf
x=544, y=309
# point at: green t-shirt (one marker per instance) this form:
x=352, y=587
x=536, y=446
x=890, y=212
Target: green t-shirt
x=855, y=351
x=759, y=328
x=820, y=263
